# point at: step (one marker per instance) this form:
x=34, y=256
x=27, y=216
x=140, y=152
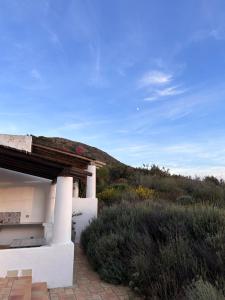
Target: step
x=39, y=291
x=21, y=288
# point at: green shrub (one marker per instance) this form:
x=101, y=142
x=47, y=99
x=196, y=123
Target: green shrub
x=167, y=187
x=185, y=200
x=109, y=195
x=112, y=260
x=157, y=249
x=203, y=290
x=116, y=193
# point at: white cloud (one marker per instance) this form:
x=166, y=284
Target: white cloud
x=76, y=126
x=123, y=131
x=35, y=74
x=201, y=172
x=96, y=68
x=54, y=38
x=158, y=84
x=153, y=78
x=168, y=91
x=151, y=98
x=201, y=35
x=191, y=159
x=184, y=149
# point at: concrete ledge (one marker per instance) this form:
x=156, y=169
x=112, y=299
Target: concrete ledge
x=20, y=142
x=52, y=264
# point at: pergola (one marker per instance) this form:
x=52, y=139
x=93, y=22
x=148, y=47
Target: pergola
x=46, y=162
x=63, y=168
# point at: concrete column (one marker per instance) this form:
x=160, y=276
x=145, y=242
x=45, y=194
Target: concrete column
x=50, y=202
x=91, y=182
x=63, y=210
x=49, y=214
x=76, y=189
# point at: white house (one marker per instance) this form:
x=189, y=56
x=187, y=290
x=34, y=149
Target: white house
x=39, y=191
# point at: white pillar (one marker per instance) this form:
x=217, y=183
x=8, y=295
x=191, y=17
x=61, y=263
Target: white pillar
x=91, y=182
x=49, y=214
x=63, y=210
x=50, y=202
x=76, y=189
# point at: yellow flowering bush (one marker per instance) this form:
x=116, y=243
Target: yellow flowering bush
x=109, y=194
x=144, y=193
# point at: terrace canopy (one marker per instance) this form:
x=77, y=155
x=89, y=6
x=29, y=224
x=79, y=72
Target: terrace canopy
x=52, y=206
x=45, y=162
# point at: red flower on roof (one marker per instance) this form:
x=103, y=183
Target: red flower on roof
x=80, y=150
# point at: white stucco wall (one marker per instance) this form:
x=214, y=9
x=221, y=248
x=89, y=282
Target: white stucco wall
x=89, y=209
x=52, y=264
x=31, y=202
x=9, y=233
x=20, y=142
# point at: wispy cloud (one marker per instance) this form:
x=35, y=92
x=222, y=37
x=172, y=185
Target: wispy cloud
x=54, y=37
x=186, y=158
x=153, y=78
x=159, y=85
x=168, y=91
x=202, y=35
x=35, y=74
x=214, y=33
x=77, y=126
x=202, y=171
x=154, y=120
x=9, y=128
x=73, y=126
x=96, y=78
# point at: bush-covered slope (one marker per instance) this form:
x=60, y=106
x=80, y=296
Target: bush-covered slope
x=162, y=234
x=162, y=252
x=117, y=181
x=120, y=182
x=76, y=147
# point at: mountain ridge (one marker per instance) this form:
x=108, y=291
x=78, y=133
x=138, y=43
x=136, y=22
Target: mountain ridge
x=76, y=147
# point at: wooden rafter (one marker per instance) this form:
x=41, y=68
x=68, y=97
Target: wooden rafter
x=46, y=164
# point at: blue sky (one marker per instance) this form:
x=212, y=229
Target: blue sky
x=142, y=80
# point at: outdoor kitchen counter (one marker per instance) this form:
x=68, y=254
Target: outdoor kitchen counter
x=21, y=224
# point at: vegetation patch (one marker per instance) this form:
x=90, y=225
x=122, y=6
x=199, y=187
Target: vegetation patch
x=119, y=182
x=161, y=251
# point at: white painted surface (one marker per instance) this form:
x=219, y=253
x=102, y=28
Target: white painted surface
x=76, y=189
x=53, y=264
x=91, y=182
x=27, y=195
x=9, y=178
x=9, y=233
x=48, y=232
x=89, y=209
x=29, y=200
x=17, y=199
x=31, y=195
x=20, y=142
x=63, y=210
x=50, y=204
x=49, y=214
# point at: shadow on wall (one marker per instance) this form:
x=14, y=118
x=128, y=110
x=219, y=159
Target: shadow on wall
x=86, y=209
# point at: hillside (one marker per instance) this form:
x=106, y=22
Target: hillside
x=76, y=147
x=162, y=184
